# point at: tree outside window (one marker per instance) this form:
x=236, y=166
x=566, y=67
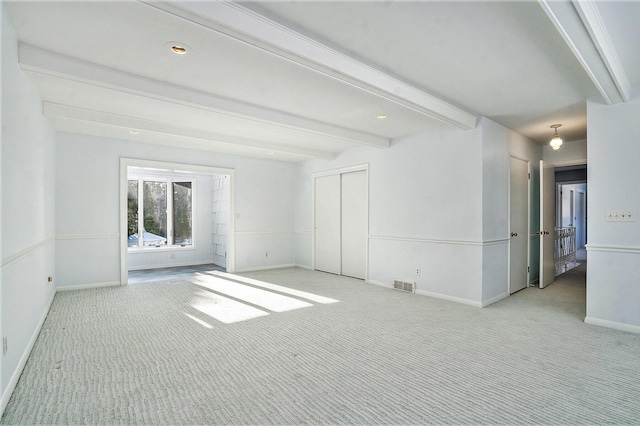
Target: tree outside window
x=167, y=217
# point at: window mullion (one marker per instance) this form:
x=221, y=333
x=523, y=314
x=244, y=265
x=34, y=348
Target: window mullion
x=170, y=212
x=140, y=214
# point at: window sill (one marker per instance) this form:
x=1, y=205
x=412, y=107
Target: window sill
x=151, y=249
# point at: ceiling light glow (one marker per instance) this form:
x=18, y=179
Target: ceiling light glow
x=382, y=116
x=556, y=141
x=178, y=47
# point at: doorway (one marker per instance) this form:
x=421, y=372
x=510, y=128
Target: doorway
x=341, y=216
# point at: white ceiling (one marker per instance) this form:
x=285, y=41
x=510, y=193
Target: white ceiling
x=303, y=79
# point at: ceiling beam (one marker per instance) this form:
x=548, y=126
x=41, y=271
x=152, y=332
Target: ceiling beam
x=235, y=21
x=582, y=29
x=45, y=62
x=592, y=20
x=101, y=118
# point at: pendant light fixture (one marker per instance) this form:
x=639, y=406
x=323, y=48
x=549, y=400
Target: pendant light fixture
x=555, y=141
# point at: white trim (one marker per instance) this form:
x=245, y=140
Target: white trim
x=307, y=267
x=174, y=265
x=88, y=237
x=341, y=170
x=613, y=249
x=266, y=231
x=590, y=16
x=265, y=268
x=612, y=324
x=435, y=295
x=12, y=258
x=440, y=241
x=449, y=298
x=574, y=29
x=493, y=300
x=379, y=284
x=87, y=286
x=25, y=356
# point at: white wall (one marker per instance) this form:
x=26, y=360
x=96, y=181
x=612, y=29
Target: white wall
x=496, y=144
x=569, y=154
x=87, y=206
x=220, y=208
x=613, y=250
x=202, y=250
x=27, y=213
x=427, y=210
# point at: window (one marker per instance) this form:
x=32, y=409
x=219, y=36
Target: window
x=160, y=212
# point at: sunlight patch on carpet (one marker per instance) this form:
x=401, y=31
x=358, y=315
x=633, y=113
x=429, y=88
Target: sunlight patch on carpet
x=278, y=288
x=224, y=309
x=265, y=299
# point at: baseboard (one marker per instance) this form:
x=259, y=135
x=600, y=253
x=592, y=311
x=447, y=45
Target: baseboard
x=379, y=284
x=434, y=295
x=173, y=265
x=264, y=268
x=494, y=299
x=307, y=267
x=450, y=298
x=612, y=324
x=6, y=396
x=86, y=286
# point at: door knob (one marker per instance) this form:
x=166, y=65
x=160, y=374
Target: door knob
x=514, y=234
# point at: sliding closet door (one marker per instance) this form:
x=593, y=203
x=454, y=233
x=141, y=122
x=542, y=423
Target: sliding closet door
x=327, y=226
x=354, y=224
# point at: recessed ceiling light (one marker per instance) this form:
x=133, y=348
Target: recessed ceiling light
x=133, y=132
x=381, y=116
x=271, y=153
x=178, y=48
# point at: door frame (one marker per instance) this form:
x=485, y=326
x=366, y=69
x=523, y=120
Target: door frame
x=339, y=171
x=528, y=237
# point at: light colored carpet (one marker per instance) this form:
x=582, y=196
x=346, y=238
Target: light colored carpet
x=143, y=354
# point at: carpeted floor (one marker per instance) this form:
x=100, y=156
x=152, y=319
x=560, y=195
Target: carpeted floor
x=154, y=354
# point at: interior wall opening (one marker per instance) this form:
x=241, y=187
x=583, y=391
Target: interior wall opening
x=174, y=218
x=571, y=217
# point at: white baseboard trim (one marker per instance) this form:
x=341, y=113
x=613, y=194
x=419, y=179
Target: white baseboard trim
x=173, y=265
x=379, y=283
x=86, y=286
x=264, y=268
x=494, y=299
x=434, y=295
x=612, y=324
x=6, y=396
x=450, y=298
x=304, y=267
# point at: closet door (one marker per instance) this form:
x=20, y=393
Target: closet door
x=327, y=226
x=354, y=224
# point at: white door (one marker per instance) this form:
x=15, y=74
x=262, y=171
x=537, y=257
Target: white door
x=355, y=208
x=519, y=218
x=327, y=224
x=547, y=223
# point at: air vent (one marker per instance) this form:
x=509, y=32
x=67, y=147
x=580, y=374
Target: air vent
x=404, y=286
